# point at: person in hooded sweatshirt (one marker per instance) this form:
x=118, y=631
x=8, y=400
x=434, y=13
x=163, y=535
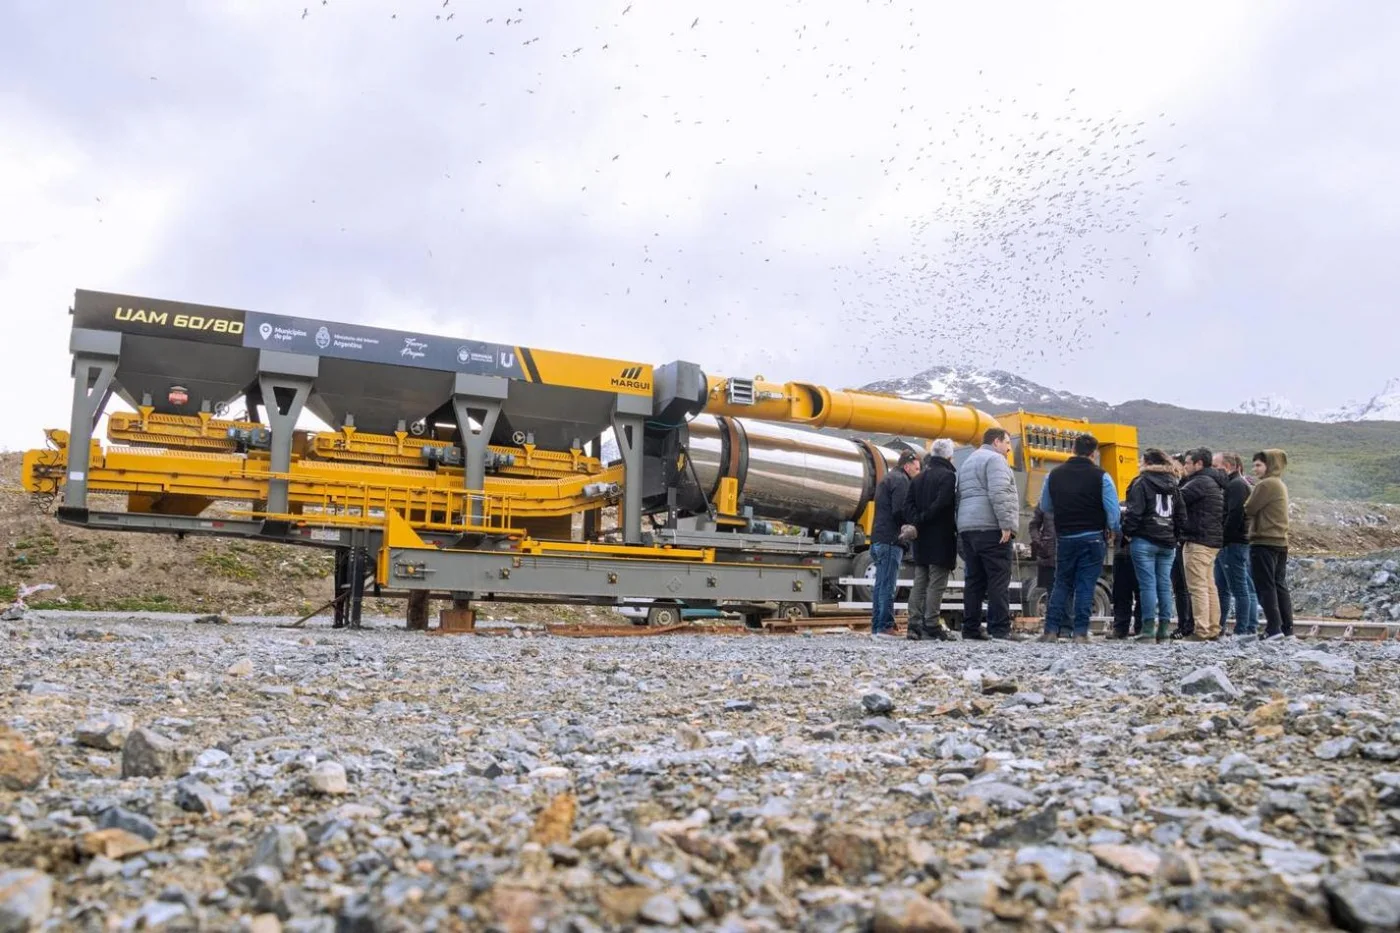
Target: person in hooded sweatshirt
x=1203, y=491
x=1266, y=510
x=1153, y=523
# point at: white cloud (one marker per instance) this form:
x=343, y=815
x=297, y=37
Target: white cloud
x=352, y=166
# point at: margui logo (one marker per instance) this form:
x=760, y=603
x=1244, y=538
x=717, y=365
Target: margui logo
x=630, y=378
x=265, y=331
x=507, y=358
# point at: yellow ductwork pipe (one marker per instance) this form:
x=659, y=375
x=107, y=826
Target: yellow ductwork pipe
x=844, y=409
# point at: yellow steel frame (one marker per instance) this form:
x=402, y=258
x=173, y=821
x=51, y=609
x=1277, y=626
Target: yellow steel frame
x=1048, y=440
x=146, y=427
x=340, y=493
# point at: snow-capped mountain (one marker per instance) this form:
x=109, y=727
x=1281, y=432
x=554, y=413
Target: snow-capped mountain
x=992, y=390
x=1274, y=406
x=1383, y=406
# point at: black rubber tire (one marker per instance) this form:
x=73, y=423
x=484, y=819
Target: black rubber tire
x=663, y=615
x=863, y=566
x=792, y=612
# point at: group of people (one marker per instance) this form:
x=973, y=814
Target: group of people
x=1192, y=532
x=943, y=513
x=1224, y=546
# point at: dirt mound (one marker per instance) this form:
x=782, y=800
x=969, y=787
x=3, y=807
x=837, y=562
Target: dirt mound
x=129, y=572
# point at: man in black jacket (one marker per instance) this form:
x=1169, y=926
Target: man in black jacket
x=931, y=507
x=886, y=548
x=1232, y=576
x=1203, y=491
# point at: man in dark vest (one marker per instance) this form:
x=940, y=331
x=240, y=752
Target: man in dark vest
x=1085, y=505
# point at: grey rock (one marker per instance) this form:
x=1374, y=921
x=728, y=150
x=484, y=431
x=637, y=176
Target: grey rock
x=1057, y=864
x=107, y=731
x=1228, y=827
x=1238, y=767
x=1005, y=797
x=1029, y=830
x=277, y=848
x=1325, y=662
x=150, y=754
x=135, y=823
x=1380, y=751
x=877, y=703
x=1106, y=806
x=1362, y=905
x=197, y=797
x=328, y=777
x=26, y=898
x=156, y=915
x=739, y=706
x=12, y=829
x=1292, y=861
x=660, y=910
x=1209, y=681
x=1332, y=749
x=212, y=758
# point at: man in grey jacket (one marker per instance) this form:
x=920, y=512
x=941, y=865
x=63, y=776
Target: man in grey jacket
x=988, y=516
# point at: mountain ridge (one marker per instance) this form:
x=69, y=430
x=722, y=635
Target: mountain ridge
x=1383, y=406
x=1356, y=459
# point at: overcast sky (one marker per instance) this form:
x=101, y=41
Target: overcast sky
x=802, y=190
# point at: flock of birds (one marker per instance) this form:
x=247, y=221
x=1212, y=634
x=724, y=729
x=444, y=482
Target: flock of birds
x=1006, y=233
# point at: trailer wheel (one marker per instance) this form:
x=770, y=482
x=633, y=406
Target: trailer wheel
x=794, y=612
x=1036, y=600
x=864, y=566
x=1103, y=601
x=664, y=615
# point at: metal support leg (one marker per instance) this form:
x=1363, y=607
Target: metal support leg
x=342, y=586
x=92, y=387
x=358, y=560
x=590, y=518
x=476, y=419
x=628, y=431
x=284, y=382
x=283, y=399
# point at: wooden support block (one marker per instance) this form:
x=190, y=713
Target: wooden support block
x=457, y=621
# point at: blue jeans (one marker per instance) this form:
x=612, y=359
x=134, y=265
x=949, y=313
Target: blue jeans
x=1153, y=563
x=887, y=558
x=1233, y=580
x=1078, y=564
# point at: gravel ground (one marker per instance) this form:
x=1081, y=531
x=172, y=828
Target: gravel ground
x=160, y=775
